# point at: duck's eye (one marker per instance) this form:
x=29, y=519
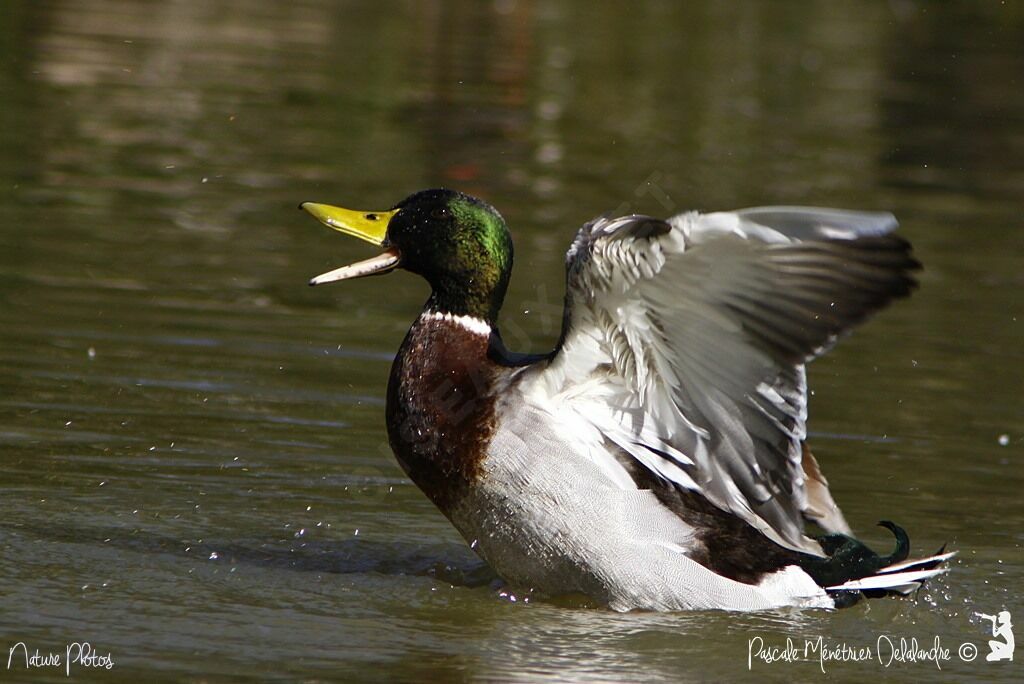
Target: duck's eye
x=439, y=213
x=371, y=217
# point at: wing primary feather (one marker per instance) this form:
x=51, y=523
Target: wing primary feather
x=684, y=342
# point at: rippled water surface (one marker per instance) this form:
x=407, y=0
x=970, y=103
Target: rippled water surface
x=193, y=470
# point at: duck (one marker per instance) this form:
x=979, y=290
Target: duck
x=657, y=458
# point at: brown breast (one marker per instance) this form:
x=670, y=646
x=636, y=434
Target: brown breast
x=440, y=407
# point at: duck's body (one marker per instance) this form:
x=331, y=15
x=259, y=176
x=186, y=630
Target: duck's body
x=656, y=458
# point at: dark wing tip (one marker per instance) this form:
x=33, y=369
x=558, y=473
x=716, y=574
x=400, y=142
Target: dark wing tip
x=826, y=288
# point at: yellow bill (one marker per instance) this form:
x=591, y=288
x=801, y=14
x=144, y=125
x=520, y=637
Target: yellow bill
x=371, y=226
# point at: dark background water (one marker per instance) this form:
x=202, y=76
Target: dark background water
x=193, y=470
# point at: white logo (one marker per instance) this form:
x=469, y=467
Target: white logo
x=1001, y=628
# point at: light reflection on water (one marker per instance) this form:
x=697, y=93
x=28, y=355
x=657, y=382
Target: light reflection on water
x=190, y=438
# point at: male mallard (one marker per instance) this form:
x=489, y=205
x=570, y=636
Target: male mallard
x=656, y=458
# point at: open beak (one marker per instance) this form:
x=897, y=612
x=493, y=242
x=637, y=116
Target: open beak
x=370, y=226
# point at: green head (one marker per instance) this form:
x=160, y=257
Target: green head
x=458, y=243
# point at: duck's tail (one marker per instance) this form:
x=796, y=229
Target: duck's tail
x=852, y=570
x=900, y=578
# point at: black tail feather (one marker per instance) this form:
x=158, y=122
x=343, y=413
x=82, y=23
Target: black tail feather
x=902, y=550
x=852, y=571
x=849, y=558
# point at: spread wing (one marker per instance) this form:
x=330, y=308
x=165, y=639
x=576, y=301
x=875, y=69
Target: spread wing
x=685, y=341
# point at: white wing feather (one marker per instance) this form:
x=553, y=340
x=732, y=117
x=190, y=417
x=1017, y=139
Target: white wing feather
x=685, y=343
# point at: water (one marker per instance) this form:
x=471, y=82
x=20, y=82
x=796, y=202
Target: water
x=193, y=466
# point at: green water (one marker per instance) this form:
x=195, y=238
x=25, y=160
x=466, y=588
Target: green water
x=194, y=475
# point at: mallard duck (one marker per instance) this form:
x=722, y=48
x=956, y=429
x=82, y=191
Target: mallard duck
x=656, y=459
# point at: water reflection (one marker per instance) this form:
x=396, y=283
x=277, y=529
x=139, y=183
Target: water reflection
x=191, y=442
